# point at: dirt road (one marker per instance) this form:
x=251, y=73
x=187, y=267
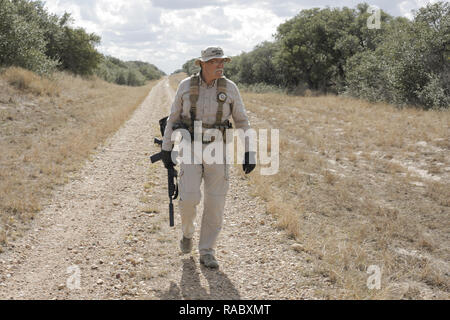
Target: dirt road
x=105, y=235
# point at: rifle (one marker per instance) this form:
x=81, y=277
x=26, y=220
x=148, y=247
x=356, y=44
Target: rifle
x=172, y=174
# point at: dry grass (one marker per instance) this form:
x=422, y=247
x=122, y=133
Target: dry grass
x=357, y=187
x=439, y=192
x=49, y=127
x=361, y=184
x=175, y=79
x=28, y=81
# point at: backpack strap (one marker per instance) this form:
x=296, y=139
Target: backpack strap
x=221, y=98
x=193, y=96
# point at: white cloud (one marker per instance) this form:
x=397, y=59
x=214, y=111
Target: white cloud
x=186, y=4
x=167, y=33
x=406, y=7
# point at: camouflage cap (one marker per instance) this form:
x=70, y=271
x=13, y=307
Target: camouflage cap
x=212, y=53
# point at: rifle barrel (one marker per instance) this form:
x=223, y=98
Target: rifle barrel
x=156, y=157
x=171, y=218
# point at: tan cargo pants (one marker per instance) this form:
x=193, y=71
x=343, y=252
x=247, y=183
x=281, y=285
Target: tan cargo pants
x=216, y=184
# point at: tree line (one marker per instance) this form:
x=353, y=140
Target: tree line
x=131, y=73
x=36, y=40
x=335, y=50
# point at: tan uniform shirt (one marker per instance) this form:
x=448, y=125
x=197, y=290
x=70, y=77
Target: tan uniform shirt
x=206, y=107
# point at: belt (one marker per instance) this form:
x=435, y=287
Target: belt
x=186, y=124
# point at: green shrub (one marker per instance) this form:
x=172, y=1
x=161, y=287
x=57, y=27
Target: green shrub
x=32, y=38
x=263, y=88
x=409, y=67
x=190, y=68
x=132, y=73
x=22, y=41
x=77, y=51
x=433, y=94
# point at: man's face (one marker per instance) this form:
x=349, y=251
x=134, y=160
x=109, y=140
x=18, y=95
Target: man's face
x=213, y=69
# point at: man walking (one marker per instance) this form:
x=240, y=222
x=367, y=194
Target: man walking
x=212, y=99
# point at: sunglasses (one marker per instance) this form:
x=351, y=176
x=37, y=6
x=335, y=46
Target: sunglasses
x=216, y=61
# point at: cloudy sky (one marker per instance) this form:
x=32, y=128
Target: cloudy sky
x=167, y=33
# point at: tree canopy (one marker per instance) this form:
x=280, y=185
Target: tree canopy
x=34, y=39
x=334, y=50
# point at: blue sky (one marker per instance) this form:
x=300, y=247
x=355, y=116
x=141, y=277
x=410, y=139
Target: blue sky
x=167, y=33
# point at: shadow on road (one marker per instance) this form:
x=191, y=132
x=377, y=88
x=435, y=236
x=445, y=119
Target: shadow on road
x=190, y=288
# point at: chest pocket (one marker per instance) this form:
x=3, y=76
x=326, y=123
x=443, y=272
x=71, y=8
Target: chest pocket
x=207, y=104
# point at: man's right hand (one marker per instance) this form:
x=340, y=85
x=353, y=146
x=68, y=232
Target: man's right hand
x=166, y=157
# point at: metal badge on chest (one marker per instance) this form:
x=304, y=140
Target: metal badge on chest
x=222, y=96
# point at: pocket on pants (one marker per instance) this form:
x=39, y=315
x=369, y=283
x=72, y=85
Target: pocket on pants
x=189, y=181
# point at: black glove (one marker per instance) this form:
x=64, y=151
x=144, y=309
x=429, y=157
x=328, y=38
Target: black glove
x=249, y=162
x=166, y=157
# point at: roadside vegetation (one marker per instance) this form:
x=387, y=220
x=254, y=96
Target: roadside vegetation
x=33, y=39
x=361, y=184
x=333, y=51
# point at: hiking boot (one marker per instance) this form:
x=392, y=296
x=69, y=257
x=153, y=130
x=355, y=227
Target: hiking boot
x=186, y=245
x=209, y=261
